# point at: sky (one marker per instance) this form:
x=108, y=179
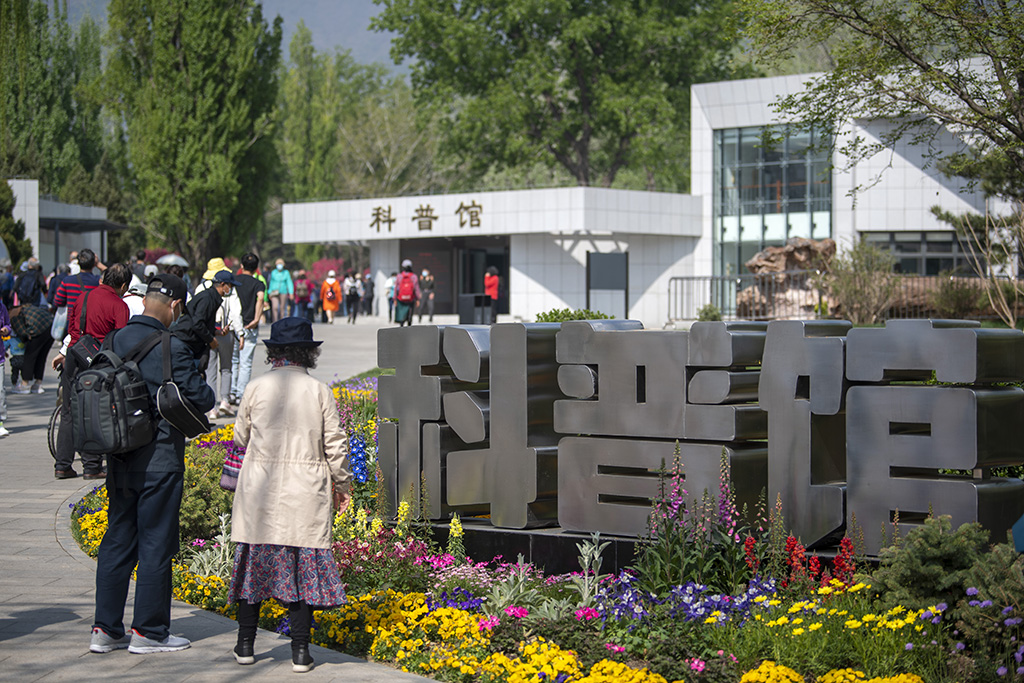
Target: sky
x=334, y=24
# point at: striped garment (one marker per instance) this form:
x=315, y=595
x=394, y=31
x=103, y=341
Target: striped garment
x=69, y=289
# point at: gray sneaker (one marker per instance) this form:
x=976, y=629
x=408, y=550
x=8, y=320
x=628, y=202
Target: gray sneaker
x=101, y=642
x=142, y=645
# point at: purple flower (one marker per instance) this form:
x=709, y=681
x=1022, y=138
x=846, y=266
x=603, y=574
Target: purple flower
x=972, y=591
x=1020, y=670
x=909, y=646
x=941, y=606
x=1012, y=621
x=959, y=646
x=1007, y=610
x=928, y=614
x=985, y=603
x=1001, y=671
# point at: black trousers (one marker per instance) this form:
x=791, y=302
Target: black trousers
x=142, y=527
x=36, y=351
x=65, y=455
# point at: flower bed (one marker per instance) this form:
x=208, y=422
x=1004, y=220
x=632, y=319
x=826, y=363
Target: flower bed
x=708, y=599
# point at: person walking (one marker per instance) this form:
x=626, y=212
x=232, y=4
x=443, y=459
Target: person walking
x=303, y=291
x=427, y=287
x=368, y=287
x=281, y=515
x=197, y=327
x=144, y=489
x=102, y=310
x=330, y=296
x=353, y=288
x=250, y=297
x=491, y=289
x=32, y=323
x=407, y=294
x=281, y=290
x=5, y=334
x=389, y=292
x=227, y=332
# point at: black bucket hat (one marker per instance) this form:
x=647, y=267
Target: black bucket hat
x=292, y=331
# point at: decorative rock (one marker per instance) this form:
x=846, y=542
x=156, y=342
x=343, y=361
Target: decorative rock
x=799, y=253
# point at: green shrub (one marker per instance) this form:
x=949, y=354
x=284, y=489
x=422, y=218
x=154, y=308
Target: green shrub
x=709, y=313
x=203, y=500
x=559, y=315
x=956, y=297
x=931, y=565
x=990, y=609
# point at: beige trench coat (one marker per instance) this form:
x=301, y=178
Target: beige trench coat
x=295, y=446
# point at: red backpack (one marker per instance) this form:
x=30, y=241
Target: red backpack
x=406, y=288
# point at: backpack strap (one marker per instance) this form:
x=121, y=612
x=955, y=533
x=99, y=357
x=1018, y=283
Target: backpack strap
x=166, y=338
x=139, y=351
x=81, y=313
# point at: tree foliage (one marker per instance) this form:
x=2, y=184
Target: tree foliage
x=51, y=118
x=593, y=87
x=927, y=67
x=195, y=86
x=861, y=283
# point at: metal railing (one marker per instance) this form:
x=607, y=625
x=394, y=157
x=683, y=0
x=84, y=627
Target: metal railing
x=795, y=295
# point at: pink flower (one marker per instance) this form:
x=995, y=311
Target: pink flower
x=696, y=664
x=586, y=613
x=614, y=648
x=517, y=612
x=489, y=623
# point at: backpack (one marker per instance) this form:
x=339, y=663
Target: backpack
x=28, y=288
x=353, y=290
x=302, y=288
x=111, y=409
x=406, y=288
x=331, y=293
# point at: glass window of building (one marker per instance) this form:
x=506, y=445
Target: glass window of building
x=923, y=253
x=765, y=194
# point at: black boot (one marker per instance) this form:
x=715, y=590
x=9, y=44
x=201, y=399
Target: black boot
x=248, y=618
x=300, y=618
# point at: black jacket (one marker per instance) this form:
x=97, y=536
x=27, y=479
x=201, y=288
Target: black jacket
x=196, y=326
x=167, y=452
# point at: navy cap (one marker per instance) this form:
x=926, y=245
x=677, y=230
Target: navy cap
x=293, y=331
x=225, y=276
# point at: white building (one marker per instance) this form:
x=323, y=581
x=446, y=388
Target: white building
x=56, y=228
x=616, y=251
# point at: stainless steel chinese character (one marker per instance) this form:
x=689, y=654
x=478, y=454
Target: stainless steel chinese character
x=381, y=217
x=901, y=438
x=424, y=217
x=801, y=387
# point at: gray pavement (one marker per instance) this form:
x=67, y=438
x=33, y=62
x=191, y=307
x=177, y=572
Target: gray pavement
x=47, y=583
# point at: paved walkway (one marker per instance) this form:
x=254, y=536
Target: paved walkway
x=47, y=583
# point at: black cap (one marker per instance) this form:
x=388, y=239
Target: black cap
x=169, y=285
x=225, y=276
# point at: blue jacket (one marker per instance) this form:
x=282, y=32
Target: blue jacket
x=166, y=453
x=280, y=282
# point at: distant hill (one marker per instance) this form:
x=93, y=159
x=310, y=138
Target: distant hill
x=334, y=23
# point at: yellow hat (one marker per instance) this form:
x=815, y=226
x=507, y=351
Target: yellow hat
x=214, y=266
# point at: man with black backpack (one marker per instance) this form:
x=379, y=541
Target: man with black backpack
x=144, y=487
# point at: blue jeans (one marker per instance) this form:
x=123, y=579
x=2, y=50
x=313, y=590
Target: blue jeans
x=241, y=362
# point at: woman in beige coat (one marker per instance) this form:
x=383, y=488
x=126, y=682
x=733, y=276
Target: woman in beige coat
x=281, y=518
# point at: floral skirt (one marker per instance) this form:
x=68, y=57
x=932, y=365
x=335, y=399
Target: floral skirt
x=289, y=574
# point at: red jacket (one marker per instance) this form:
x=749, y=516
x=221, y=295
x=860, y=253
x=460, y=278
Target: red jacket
x=105, y=311
x=491, y=286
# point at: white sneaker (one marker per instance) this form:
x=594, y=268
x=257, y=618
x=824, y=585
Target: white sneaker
x=101, y=642
x=224, y=409
x=3, y=432
x=142, y=645
x=20, y=388
x=36, y=389
x=212, y=415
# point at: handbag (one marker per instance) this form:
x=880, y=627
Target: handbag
x=174, y=407
x=87, y=346
x=232, y=466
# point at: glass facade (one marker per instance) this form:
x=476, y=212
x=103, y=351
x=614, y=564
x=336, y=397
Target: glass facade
x=923, y=253
x=765, y=194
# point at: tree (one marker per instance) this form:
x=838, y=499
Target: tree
x=46, y=123
x=12, y=232
x=927, y=67
x=195, y=86
x=861, y=283
x=593, y=86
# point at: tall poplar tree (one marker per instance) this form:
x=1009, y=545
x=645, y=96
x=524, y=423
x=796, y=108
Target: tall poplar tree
x=195, y=84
